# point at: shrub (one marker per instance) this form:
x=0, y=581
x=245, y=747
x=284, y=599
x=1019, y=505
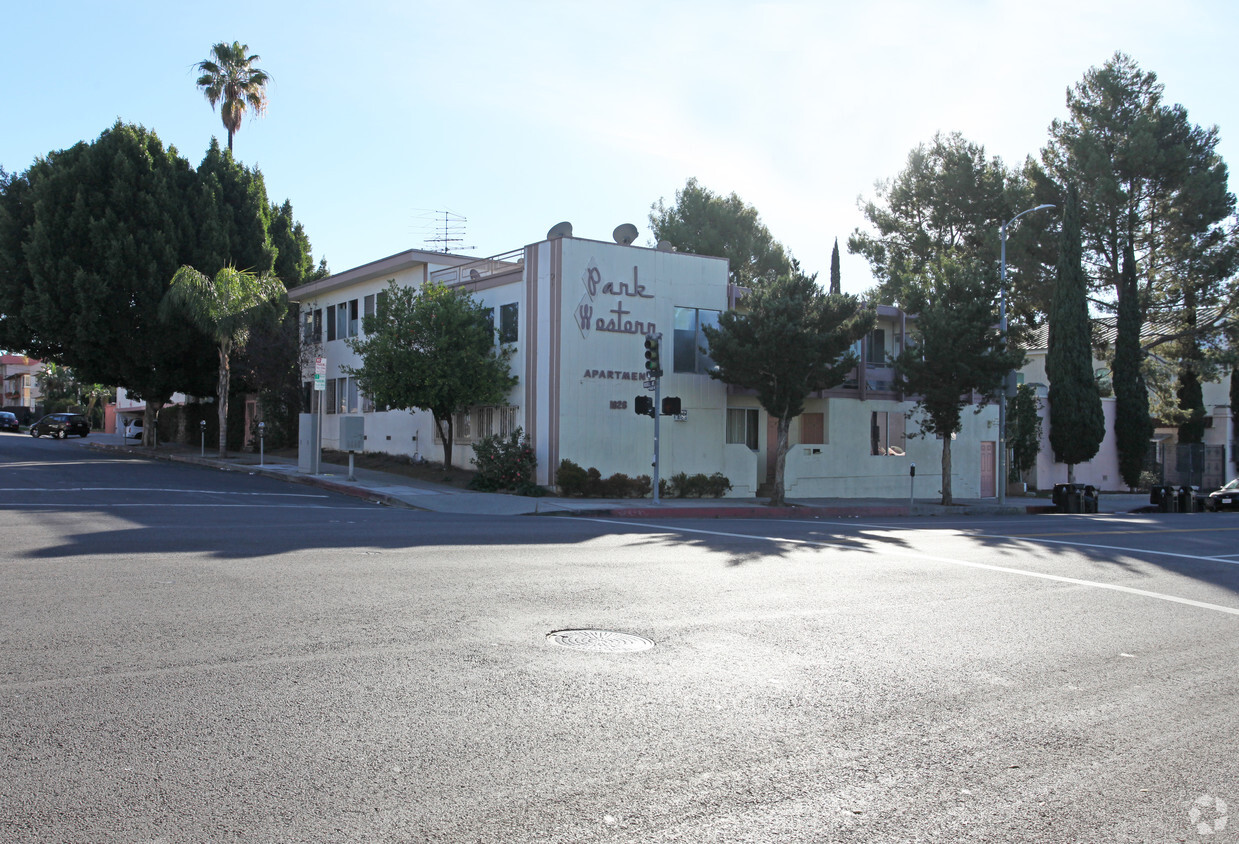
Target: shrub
x=571, y=479
x=505, y=463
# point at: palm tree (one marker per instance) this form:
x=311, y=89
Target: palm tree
x=225, y=308
x=229, y=77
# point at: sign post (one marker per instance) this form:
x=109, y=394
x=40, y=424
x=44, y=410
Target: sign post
x=320, y=387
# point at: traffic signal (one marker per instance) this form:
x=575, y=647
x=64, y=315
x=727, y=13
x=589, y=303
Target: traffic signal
x=644, y=405
x=671, y=406
x=653, y=366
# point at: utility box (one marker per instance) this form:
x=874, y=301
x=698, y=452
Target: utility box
x=308, y=454
x=352, y=433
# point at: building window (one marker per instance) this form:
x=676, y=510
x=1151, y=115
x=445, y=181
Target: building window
x=813, y=428
x=875, y=347
x=689, y=339
x=331, y=323
x=342, y=320
x=508, y=320
x=886, y=434
x=352, y=318
x=493, y=421
x=353, y=404
x=368, y=309
x=330, y=398
x=742, y=426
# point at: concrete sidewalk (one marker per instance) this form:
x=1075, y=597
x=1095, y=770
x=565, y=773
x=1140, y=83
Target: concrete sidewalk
x=400, y=491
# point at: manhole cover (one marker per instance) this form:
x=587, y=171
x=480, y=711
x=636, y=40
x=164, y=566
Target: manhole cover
x=599, y=641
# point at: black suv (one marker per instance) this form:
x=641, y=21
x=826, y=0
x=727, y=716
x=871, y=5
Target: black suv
x=61, y=425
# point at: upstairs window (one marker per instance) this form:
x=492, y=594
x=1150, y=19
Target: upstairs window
x=509, y=323
x=887, y=437
x=689, y=339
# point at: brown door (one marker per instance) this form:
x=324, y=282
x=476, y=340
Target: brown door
x=989, y=473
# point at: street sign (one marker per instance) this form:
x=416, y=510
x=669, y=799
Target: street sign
x=649, y=384
x=320, y=374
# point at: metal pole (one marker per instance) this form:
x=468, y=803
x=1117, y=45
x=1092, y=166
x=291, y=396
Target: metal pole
x=262, y=430
x=658, y=409
x=1002, y=397
x=350, y=467
x=202, y=427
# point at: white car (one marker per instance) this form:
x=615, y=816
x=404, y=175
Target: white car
x=133, y=429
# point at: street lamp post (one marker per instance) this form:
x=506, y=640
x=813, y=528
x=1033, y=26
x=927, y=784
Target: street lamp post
x=1002, y=328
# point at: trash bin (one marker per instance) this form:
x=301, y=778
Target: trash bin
x=1187, y=499
x=1064, y=498
x=1165, y=497
x=1088, y=500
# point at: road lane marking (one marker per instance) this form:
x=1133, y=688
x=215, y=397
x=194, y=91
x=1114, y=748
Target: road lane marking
x=156, y=489
x=1113, y=587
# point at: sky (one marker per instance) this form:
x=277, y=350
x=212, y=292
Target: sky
x=517, y=116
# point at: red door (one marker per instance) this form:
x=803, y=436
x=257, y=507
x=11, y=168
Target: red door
x=989, y=470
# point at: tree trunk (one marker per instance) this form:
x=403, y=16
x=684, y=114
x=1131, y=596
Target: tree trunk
x=446, y=436
x=1071, y=473
x=946, y=470
x=780, y=462
x=222, y=399
x=150, y=426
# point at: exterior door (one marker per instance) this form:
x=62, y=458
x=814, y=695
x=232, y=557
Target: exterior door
x=989, y=470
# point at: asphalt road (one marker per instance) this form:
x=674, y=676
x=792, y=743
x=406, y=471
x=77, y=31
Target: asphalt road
x=189, y=655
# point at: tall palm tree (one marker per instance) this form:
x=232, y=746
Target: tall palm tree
x=225, y=308
x=230, y=78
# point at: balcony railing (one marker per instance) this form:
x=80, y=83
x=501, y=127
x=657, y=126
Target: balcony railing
x=480, y=269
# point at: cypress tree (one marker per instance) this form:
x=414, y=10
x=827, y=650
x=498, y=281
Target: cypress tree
x=1132, y=426
x=1077, y=424
x=835, y=277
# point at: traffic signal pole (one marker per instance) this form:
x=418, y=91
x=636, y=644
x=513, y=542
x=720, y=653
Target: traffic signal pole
x=658, y=403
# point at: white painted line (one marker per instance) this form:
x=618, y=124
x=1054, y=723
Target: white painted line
x=985, y=566
x=156, y=489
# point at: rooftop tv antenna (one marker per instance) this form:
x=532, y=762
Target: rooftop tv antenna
x=444, y=230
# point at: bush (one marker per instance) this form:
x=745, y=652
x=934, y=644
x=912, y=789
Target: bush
x=505, y=463
x=573, y=481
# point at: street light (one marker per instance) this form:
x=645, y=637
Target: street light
x=1002, y=327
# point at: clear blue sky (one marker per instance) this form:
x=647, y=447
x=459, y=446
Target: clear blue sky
x=520, y=115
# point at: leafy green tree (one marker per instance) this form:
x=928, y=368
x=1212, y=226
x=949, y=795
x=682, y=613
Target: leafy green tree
x=958, y=350
x=949, y=201
x=232, y=217
x=88, y=241
x=432, y=349
x=790, y=340
x=231, y=80
x=225, y=307
x=1148, y=177
x=1132, y=426
x=1077, y=423
x=836, y=278
x=1023, y=430
x=705, y=223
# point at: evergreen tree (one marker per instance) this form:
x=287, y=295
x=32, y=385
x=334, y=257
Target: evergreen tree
x=1132, y=426
x=1023, y=430
x=705, y=223
x=836, y=279
x=790, y=340
x=1077, y=423
x=958, y=351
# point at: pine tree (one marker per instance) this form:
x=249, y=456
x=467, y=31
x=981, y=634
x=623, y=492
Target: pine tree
x=1077, y=423
x=1132, y=426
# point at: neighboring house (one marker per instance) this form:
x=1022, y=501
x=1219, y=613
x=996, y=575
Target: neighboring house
x=1209, y=470
x=19, y=375
x=577, y=311
x=127, y=409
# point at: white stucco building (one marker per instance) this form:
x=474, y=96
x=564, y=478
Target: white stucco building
x=576, y=311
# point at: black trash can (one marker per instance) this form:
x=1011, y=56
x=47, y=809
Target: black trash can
x=1088, y=500
x=1064, y=497
x=1187, y=499
x=1165, y=497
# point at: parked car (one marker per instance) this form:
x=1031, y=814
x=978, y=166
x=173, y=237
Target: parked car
x=8, y=422
x=61, y=425
x=133, y=429
x=1226, y=498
